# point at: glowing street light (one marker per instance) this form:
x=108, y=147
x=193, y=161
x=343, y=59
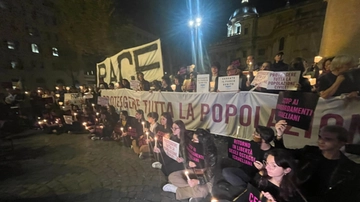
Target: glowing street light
x=198, y=22
x=191, y=23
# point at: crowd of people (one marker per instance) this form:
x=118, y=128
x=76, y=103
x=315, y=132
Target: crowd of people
x=311, y=173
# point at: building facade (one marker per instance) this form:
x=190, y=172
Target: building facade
x=32, y=49
x=295, y=30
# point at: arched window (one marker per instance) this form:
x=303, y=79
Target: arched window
x=282, y=44
x=229, y=32
x=237, y=28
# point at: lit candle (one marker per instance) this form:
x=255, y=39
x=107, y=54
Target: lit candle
x=101, y=127
x=96, y=120
x=122, y=129
x=57, y=95
x=86, y=128
x=97, y=113
x=45, y=120
x=320, y=71
x=155, y=141
x=212, y=84
x=26, y=92
x=93, y=104
x=143, y=123
x=84, y=123
x=173, y=87
x=57, y=88
x=61, y=103
x=187, y=175
x=147, y=135
x=39, y=91
x=39, y=122
x=75, y=114
x=248, y=77
x=129, y=127
x=67, y=88
x=39, y=117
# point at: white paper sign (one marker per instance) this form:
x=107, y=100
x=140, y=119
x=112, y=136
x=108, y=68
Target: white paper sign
x=103, y=101
x=283, y=80
x=277, y=80
x=73, y=99
x=171, y=148
x=68, y=119
x=202, y=83
x=228, y=83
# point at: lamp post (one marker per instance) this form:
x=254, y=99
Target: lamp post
x=195, y=24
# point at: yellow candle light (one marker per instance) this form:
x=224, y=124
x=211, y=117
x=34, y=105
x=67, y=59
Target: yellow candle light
x=187, y=175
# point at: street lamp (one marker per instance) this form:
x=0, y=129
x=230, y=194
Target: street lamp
x=196, y=44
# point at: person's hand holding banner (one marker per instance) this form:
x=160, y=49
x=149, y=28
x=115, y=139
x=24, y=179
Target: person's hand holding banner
x=280, y=127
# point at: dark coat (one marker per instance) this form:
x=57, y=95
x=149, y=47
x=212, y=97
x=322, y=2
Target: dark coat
x=344, y=184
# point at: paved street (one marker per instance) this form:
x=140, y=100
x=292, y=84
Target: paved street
x=71, y=167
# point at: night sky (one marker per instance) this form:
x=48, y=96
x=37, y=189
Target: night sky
x=168, y=19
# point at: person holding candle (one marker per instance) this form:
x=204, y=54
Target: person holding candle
x=244, y=83
x=196, y=181
x=178, y=83
x=163, y=131
x=297, y=64
x=123, y=128
x=150, y=131
x=170, y=165
x=139, y=124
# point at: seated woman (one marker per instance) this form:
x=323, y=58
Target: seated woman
x=167, y=164
x=196, y=182
x=238, y=177
x=123, y=128
x=150, y=131
x=139, y=126
x=164, y=130
x=277, y=179
x=336, y=82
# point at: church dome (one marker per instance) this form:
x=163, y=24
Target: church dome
x=246, y=10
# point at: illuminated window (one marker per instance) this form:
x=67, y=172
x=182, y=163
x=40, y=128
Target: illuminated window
x=11, y=45
x=34, y=48
x=238, y=28
x=55, y=52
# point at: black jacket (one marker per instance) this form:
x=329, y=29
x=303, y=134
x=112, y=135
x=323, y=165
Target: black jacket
x=344, y=183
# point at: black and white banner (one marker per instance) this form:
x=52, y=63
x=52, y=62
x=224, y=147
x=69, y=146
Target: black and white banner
x=145, y=58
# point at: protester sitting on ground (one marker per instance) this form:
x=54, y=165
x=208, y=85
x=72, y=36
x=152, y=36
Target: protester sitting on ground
x=196, y=182
x=123, y=127
x=164, y=129
x=150, y=131
x=214, y=76
x=277, y=178
x=239, y=177
x=104, y=128
x=297, y=64
x=169, y=165
x=279, y=64
x=140, y=123
x=144, y=84
x=337, y=82
x=325, y=172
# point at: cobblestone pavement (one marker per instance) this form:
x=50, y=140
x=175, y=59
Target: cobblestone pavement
x=71, y=167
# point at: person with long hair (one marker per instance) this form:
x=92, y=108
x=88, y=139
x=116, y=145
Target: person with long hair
x=277, y=180
x=150, y=131
x=195, y=183
x=298, y=64
x=164, y=130
x=140, y=124
x=169, y=165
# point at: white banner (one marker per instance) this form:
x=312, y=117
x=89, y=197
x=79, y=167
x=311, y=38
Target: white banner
x=171, y=148
x=222, y=113
x=202, y=85
x=228, y=83
x=146, y=58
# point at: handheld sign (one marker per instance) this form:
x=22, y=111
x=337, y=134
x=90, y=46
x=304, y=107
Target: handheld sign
x=73, y=99
x=297, y=108
x=195, y=153
x=251, y=194
x=202, y=83
x=243, y=151
x=228, y=83
x=277, y=80
x=171, y=148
